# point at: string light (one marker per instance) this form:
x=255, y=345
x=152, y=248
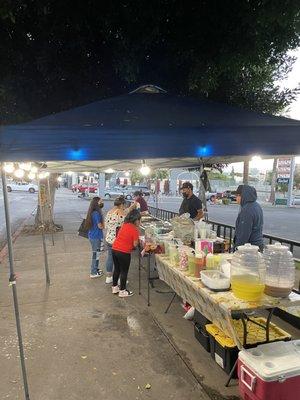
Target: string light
x=31, y=176
x=19, y=173
x=145, y=170
x=9, y=168
x=26, y=166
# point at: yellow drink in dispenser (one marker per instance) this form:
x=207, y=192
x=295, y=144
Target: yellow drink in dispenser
x=247, y=287
x=191, y=264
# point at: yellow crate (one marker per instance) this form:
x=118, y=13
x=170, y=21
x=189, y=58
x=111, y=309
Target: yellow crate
x=255, y=334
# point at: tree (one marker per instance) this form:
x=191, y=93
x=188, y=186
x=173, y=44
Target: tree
x=66, y=53
x=297, y=177
x=273, y=177
x=44, y=215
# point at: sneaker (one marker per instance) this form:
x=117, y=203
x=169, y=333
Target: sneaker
x=115, y=289
x=109, y=279
x=97, y=275
x=125, y=293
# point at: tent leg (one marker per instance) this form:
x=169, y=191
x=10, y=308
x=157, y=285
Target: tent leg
x=202, y=194
x=12, y=281
x=50, y=207
x=44, y=239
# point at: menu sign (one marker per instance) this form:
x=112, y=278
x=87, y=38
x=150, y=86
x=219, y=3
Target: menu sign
x=284, y=170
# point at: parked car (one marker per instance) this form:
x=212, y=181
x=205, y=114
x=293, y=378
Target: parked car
x=22, y=187
x=115, y=192
x=228, y=194
x=296, y=200
x=81, y=188
x=142, y=188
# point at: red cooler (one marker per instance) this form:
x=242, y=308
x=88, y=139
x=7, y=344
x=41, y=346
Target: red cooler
x=270, y=371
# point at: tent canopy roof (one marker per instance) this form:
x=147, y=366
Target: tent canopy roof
x=149, y=124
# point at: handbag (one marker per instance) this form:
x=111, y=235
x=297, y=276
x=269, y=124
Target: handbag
x=82, y=231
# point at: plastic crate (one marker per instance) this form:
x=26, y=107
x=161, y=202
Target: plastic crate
x=202, y=336
x=222, y=348
x=200, y=319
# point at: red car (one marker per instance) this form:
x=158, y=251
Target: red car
x=83, y=187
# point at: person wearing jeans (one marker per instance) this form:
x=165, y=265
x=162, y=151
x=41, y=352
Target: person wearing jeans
x=96, y=249
x=94, y=224
x=125, y=242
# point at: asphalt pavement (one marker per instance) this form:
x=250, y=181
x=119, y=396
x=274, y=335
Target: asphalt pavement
x=21, y=205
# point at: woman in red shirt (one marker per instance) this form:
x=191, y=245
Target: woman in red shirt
x=126, y=241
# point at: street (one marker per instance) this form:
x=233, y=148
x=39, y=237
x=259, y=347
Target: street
x=21, y=204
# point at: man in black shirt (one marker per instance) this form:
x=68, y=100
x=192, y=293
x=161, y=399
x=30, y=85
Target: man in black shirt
x=190, y=204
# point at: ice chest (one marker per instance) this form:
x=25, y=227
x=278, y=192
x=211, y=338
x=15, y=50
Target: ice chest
x=270, y=371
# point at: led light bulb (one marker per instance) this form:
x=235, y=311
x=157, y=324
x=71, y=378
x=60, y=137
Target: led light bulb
x=19, y=173
x=26, y=166
x=145, y=170
x=9, y=167
x=31, y=176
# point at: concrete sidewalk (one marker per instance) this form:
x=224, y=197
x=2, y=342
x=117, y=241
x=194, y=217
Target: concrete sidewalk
x=81, y=342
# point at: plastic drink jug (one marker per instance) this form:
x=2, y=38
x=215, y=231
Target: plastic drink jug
x=280, y=270
x=248, y=273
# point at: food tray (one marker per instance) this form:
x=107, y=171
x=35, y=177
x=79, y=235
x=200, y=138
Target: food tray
x=215, y=280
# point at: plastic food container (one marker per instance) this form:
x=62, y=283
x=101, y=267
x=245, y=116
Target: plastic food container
x=215, y=280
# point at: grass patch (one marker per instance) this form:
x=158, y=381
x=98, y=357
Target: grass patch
x=297, y=264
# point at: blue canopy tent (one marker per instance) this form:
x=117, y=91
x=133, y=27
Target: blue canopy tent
x=168, y=131
x=147, y=124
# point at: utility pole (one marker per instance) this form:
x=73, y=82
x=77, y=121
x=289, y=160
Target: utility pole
x=246, y=172
x=291, y=183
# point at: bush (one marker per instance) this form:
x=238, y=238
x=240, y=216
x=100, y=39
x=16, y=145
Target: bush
x=226, y=201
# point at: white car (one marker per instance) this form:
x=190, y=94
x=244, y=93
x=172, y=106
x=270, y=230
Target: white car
x=22, y=187
x=296, y=200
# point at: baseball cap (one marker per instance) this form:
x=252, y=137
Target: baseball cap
x=187, y=185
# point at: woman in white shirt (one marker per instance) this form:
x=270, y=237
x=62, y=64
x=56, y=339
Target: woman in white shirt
x=113, y=221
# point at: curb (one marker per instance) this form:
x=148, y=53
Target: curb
x=15, y=235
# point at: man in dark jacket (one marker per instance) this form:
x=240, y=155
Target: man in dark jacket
x=249, y=223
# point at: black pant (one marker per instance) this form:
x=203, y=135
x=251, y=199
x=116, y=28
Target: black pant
x=121, y=267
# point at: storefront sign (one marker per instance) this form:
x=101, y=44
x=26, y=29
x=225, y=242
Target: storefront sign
x=284, y=168
x=283, y=180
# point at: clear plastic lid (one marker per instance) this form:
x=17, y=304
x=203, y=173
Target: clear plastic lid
x=247, y=247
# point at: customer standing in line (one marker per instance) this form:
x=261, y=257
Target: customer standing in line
x=126, y=241
x=141, y=202
x=249, y=223
x=113, y=221
x=95, y=225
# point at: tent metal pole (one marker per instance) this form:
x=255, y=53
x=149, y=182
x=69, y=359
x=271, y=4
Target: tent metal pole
x=156, y=194
x=43, y=237
x=50, y=207
x=202, y=194
x=13, y=283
